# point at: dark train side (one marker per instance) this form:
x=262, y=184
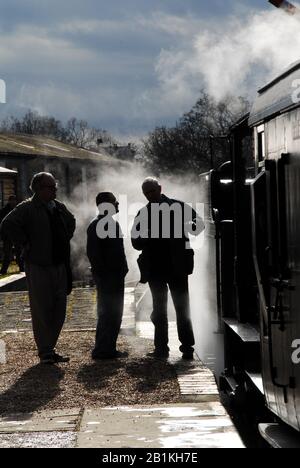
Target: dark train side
x=253, y=208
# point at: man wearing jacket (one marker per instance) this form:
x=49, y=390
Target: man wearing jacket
x=44, y=228
x=105, y=250
x=160, y=231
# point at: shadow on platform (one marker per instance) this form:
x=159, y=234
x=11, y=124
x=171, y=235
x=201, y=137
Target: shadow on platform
x=33, y=390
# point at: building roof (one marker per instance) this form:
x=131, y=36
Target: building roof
x=31, y=145
x=277, y=96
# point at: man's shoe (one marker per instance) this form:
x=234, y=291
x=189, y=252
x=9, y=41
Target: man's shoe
x=53, y=358
x=47, y=359
x=158, y=354
x=114, y=355
x=188, y=356
x=58, y=358
x=120, y=354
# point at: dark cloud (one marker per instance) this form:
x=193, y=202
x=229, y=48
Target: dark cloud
x=46, y=11
x=101, y=60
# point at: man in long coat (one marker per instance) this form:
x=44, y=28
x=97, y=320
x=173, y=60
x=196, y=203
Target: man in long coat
x=43, y=226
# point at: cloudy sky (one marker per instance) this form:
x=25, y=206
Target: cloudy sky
x=129, y=65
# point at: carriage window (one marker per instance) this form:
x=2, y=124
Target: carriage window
x=260, y=152
x=248, y=156
x=261, y=148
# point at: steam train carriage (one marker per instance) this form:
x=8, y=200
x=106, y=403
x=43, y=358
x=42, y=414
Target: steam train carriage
x=254, y=207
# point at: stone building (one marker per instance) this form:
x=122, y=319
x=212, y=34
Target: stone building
x=72, y=166
x=8, y=184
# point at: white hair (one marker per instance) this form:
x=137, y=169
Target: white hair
x=151, y=181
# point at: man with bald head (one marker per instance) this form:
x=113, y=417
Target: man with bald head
x=44, y=228
x=161, y=232
x=105, y=250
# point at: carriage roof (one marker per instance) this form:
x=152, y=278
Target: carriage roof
x=278, y=96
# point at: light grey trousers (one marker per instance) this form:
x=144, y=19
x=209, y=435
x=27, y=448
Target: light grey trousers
x=47, y=288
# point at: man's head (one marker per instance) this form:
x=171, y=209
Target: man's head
x=105, y=198
x=44, y=185
x=152, y=190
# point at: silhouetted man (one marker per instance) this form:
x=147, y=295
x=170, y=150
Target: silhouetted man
x=160, y=232
x=44, y=227
x=7, y=243
x=105, y=250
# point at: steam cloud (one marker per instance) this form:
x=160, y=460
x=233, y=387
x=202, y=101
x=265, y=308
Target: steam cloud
x=234, y=56
x=126, y=181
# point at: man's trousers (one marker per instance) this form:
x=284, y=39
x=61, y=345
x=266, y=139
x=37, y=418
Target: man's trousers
x=47, y=287
x=180, y=294
x=110, y=305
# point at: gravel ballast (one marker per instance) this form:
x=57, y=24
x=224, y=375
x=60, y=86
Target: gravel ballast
x=27, y=387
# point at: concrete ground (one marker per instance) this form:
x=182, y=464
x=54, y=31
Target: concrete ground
x=199, y=421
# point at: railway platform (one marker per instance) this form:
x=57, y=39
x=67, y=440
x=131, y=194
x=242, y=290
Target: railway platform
x=198, y=421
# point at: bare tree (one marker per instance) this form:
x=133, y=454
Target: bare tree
x=189, y=145
x=78, y=132
x=75, y=132
x=33, y=124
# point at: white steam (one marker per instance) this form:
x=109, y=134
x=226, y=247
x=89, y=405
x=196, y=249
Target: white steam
x=127, y=181
x=121, y=181
x=235, y=56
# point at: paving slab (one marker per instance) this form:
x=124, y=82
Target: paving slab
x=198, y=386
x=14, y=282
x=39, y=440
x=197, y=383
x=46, y=421
x=201, y=425
x=81, y=311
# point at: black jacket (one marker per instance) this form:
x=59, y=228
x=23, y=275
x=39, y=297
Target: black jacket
x=106, y=256
x=3, y=213
x=29, y=225
x=161, y=257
